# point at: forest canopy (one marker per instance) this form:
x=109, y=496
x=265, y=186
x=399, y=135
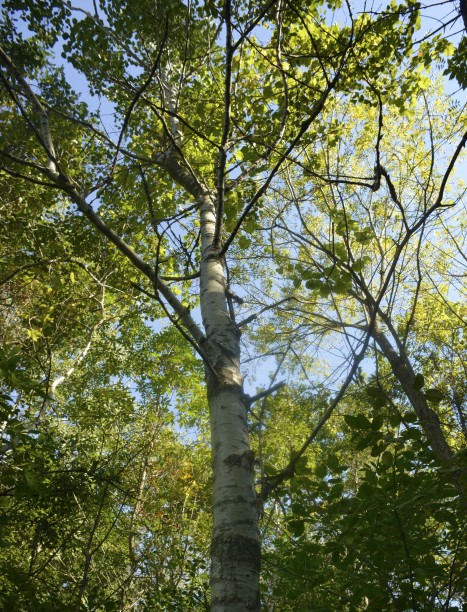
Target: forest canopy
x=233, y=361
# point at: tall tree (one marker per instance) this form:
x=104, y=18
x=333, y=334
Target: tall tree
x=214, y=106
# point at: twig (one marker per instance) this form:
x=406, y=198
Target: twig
x=266, y=393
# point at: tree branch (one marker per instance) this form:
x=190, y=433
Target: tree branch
x=259, y=396
x=262, y=190
x=46, y=139
x=264, y=309
x=182, y=312
x=222, y=160
x=273, y=482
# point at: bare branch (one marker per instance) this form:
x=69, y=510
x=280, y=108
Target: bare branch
x=260, y=312
x=182, y=312
x=274, y=481
x=222, y=159
x=138, y=95
x=259, y=396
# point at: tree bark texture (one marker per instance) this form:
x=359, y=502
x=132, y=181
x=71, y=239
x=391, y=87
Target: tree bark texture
x=235, y=547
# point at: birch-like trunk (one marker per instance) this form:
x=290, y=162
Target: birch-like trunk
x=235, y=548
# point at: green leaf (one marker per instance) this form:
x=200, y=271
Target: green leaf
x=333, y=462
x=296, y=527
x=395, y=420
x=313, y=284
x=377, y=422
x=301, y=465
x=419, y=381
x=363, y=422
x=387, y=458
x=367, y=441
x=411, y=433
x=434, y=395
x=377, y=397
x=321, y=471
x=378, y=449
x=298, y=509
x=244, y=242
x=270, y=469
x=34, y=334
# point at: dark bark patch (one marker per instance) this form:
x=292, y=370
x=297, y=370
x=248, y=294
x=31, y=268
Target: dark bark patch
x=238, y=499
x=235, y=603
x=245, y=459
x=233, y=549
x=230, y=551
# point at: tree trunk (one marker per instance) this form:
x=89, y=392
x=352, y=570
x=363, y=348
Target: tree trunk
x=429, y=420
x=235, y=543
x=235, y=547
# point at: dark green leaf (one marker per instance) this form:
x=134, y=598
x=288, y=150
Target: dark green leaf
x=434, y=395
x=419, y=381
x=296, y=527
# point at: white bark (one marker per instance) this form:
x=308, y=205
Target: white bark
x=428, y=419
x=170, y=100
x=235, y=547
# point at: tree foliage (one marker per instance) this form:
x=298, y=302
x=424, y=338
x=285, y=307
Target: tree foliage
x=258, y=204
